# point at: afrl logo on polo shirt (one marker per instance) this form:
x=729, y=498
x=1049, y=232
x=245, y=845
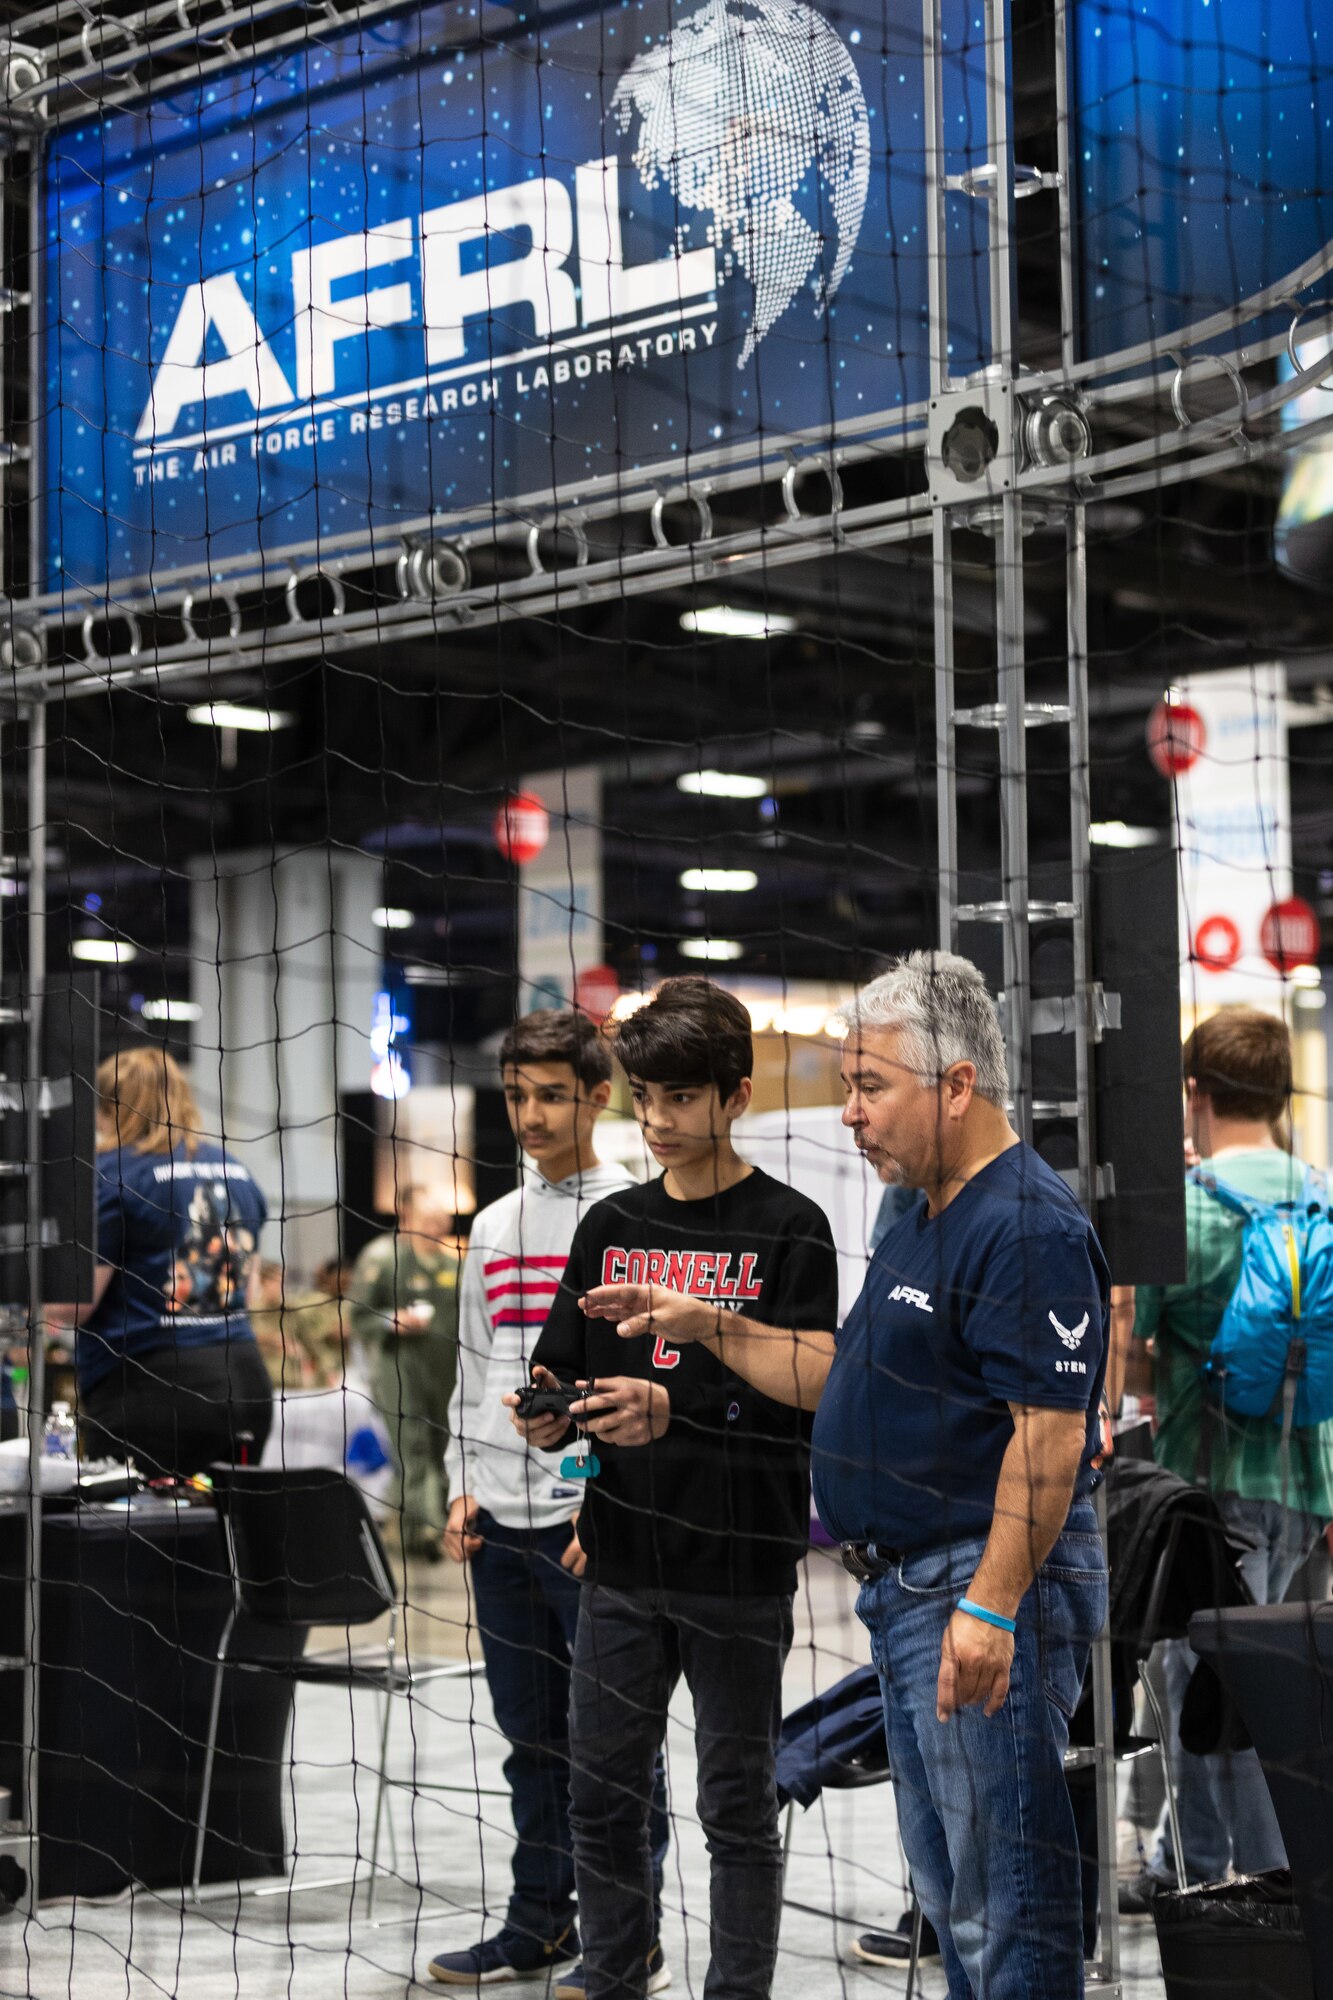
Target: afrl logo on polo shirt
x=910, y=1296
x=1072, y=1336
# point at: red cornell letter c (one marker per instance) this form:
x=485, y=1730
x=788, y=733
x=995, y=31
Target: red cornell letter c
x=664, y=1356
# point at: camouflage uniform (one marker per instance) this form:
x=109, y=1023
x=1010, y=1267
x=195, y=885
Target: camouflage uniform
x=413, y=1373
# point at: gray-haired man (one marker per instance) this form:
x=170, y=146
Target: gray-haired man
x=953, y=1448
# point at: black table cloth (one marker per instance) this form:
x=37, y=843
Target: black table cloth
x=133, y=1605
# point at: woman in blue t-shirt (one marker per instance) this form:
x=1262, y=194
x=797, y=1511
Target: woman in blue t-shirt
x=169, y=1373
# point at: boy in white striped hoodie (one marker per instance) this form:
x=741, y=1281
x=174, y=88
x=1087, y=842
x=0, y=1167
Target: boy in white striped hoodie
x=513, y=1517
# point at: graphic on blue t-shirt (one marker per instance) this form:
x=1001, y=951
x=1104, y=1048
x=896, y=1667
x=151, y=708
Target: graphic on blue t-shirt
x=179, y=1232
x=209, y=1268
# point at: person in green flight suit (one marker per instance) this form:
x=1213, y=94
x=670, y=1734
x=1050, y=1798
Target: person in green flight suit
x=403, y=1306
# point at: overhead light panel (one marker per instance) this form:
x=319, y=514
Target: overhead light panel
x=720, y=881
x=389, y=918
x=1309, y=997
x=730, y=621
x=1115, y=833
x=722, y=784
x=238, y=715
x=172, y=1010
x=103, y=951
x=717, y=951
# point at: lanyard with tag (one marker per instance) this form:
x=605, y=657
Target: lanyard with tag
x=583, y=1463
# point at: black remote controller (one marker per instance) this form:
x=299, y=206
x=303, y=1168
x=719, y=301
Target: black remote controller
x=538, y=1399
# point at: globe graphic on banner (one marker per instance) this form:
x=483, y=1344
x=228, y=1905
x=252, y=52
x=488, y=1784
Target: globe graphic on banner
x=736, y=111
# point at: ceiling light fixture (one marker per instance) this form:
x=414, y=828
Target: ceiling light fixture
x=1115, y=833
x=731, y=621
x=722, y=784
x=103, y=951
x=389, y=918
x=717, y=951
x=721, y=881
x=237, y=715
x=172, y=1010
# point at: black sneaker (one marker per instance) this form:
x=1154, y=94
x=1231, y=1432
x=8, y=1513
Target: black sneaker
x=895, y=1947
x=573, y=1985
x=508, y=1955
x=1136, y=1898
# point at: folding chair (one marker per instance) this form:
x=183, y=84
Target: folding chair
x=303, y=1550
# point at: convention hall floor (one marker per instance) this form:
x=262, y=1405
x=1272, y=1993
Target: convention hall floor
x=846, y=1871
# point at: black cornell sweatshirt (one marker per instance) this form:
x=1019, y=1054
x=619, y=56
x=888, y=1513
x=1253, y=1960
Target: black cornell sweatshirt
x=721, y=1502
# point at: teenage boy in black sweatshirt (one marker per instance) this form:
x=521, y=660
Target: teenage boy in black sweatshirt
x=698, y=1510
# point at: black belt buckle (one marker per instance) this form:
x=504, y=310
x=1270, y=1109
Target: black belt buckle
x=859, y=1560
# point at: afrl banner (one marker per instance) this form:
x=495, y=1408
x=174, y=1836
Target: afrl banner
x=1233, y=823
x=411, y=271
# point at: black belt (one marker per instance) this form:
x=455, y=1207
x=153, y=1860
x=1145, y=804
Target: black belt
x=868, y=1560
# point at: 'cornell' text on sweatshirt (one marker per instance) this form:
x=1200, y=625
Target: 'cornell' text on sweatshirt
x=721, y=1502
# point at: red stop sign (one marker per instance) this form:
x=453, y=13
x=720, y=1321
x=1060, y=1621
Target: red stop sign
x=1289, y=935
x=596, y=990
x=522, y=827
x=1176, y=737
x=1217, y=944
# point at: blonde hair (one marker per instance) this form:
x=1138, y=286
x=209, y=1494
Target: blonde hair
x=146, y=1102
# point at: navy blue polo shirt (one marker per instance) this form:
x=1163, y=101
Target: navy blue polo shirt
x=1001, y=1298
x=179, y=1231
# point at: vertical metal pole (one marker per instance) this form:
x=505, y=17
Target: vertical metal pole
x=35, y=990
x=1080, y=846
x=1011, y=679
x=999, y=145
x=1065, y=192
x=937, y=293
x=946, y=762
x=1108, y=1973
x=1012, y=690
x=937, y=274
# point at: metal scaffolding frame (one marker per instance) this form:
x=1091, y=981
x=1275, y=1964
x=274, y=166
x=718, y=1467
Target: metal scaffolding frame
x=1004, y=451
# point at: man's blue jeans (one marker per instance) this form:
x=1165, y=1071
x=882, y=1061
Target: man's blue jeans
x=983, y=1808
x=527, y=1614
x=1226, y=1813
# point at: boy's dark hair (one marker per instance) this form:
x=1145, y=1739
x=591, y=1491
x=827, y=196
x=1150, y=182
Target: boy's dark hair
x=690, y=1032
x=1240, y=1058
x=559, y=1034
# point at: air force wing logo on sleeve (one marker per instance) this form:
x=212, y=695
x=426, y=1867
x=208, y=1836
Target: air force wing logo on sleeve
x=1072, y=1336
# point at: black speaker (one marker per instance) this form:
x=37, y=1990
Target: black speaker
x=1140, y=1113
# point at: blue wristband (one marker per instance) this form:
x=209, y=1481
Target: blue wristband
x=995, y=1618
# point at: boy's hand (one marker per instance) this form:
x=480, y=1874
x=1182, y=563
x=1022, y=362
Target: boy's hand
x=623, y=1409
x=575, y=1558
x=652, y=1309
x=461, y=1540
x=543, y=1433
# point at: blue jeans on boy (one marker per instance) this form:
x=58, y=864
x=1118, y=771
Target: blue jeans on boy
x=1226, y=1813
x=527, y=1614
x=983, y=1808
x=634, y=1646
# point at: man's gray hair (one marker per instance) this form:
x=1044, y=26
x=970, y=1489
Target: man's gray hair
x=940, y=1005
